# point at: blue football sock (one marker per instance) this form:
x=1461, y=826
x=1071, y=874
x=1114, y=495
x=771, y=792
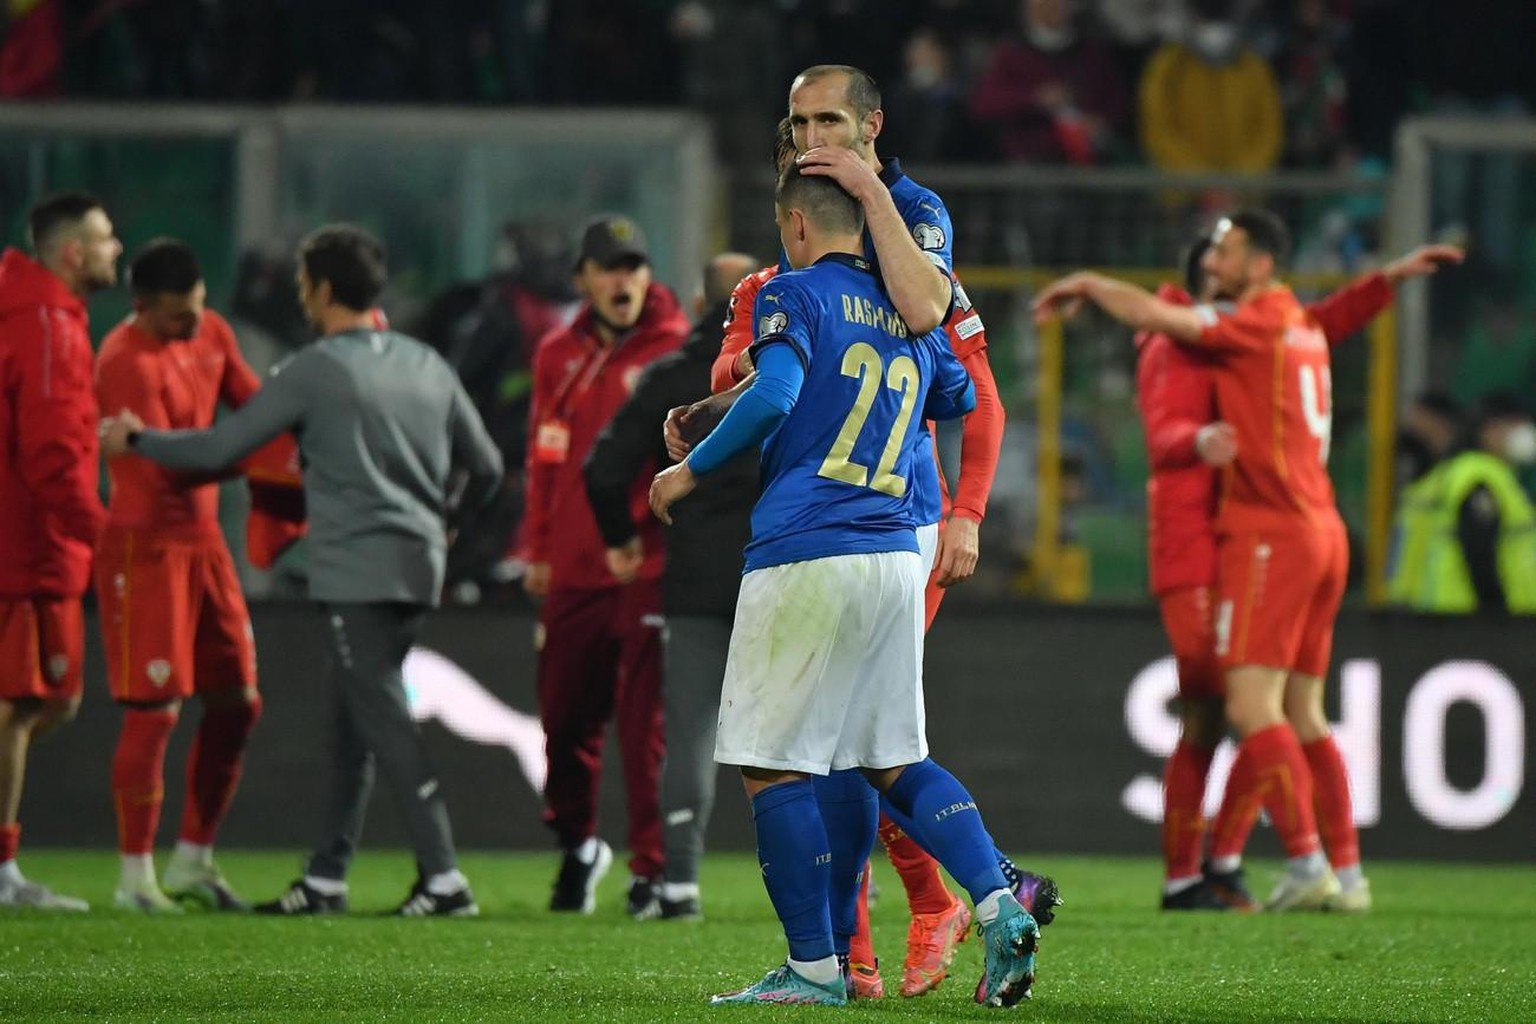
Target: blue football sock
x=850, y=809
x=943, y=818
x=904, y=822
x=792, y=849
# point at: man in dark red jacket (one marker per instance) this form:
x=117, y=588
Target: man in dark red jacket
x=1186, y=446
x=598, y=635
x=50, y=514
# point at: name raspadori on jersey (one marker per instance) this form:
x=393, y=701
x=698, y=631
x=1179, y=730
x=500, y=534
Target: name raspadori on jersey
x=859, y=310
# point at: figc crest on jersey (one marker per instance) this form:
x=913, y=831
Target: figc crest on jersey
x=928, y=236
x=773, y=323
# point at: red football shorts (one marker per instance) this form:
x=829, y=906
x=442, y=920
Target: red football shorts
x=173, y=619
x=42, y=648
x=1189, y=620
x=1280, y=592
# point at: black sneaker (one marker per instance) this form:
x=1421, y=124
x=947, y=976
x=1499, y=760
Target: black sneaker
x=576, y=884
x=302, y=899
x=1232, y=889
x=643, y=901
x=1199, y=896
x=1037, y=894
x=689, y=908
x=424, y=903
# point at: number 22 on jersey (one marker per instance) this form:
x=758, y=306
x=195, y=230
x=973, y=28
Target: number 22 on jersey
x=862, y=362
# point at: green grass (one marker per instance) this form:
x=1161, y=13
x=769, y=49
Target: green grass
x=1445, y=943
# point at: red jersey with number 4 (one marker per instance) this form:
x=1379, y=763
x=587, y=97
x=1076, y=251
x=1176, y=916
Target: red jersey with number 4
x=1273, y=384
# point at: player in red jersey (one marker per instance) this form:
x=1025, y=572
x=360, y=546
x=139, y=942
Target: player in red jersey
x=1186, y=442
x=50, y=515
x=1281, y=550
x=173, y=620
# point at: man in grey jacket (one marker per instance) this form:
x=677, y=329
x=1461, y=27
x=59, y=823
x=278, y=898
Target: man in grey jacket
x=385, y=430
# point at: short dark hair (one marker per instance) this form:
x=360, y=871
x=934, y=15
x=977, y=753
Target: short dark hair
x=58, y=212
x=1441, y=404
x=863, y=92
x=164, y=266
x=819, y=198
x=351, y=259
x=1265, y=232
x=1501, y=405
x=783, y=143
x=1191, y=262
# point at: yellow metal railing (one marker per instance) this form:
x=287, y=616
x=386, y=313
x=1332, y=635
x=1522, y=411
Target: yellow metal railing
x=1056, y=577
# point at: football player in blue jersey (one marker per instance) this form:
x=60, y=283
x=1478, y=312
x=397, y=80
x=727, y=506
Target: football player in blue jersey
x=825, y=667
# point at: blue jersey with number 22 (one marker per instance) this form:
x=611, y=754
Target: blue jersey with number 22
x=838, y=470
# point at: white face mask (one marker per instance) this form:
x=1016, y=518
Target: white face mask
x=1051, y=40
x=1520, y=445
x=1214, y=40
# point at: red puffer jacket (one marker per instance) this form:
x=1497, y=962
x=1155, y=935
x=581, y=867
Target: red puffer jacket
x=50, y=512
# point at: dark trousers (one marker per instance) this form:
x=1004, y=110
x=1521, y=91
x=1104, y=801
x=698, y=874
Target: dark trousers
x=696, y=646
x=372, y=725
x=600, y=656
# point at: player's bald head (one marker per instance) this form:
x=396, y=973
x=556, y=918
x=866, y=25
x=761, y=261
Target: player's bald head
x=822, y=200
x=723, y=273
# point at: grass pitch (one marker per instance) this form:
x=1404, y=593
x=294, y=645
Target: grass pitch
x=1445, y=943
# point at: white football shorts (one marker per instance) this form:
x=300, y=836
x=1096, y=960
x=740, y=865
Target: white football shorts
x=825, y=666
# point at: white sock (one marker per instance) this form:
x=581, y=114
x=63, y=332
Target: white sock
x=587, y=851
x=193, y=854
x=1174, y=886
x=1308, y=867
x=326, y=886
x=447, y=883
x=1350, y=878
x=822, y=972
x=987, y=910
x=138, y=870
x=675, y=892
x=10, y=872
x=1226, y=865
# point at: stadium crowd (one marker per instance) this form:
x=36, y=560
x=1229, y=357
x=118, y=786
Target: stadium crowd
x=1305, y=84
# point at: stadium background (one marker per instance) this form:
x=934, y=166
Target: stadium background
x=236, y=127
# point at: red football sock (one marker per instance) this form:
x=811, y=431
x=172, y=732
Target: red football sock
x=10, y=839
x=1183, y=819
x=861, y=946
x=1271, y=771
x=138, y=769
x=926, y=891
x=213, y=769
x=1330, y=797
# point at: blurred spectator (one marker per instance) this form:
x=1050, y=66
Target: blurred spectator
x=32, y=54
x=171, y=39
x=929, y=122
x=1314, y=92
x=1474, y=59
x=1467, y=530
x=1135, y=28
x=487, y=331
x=1500, y=350
x=612, y=52
x=1431, y=427
x=1379, y=71
x=1209, y=102
x=1052, y=95
x=732, y=68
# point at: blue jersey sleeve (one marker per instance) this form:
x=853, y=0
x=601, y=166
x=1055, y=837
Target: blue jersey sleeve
x=952, y=393
x=928, y=220
x=783, y=314
x=756, y=414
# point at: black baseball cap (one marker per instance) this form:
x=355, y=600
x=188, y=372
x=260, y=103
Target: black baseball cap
x=610, y=240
